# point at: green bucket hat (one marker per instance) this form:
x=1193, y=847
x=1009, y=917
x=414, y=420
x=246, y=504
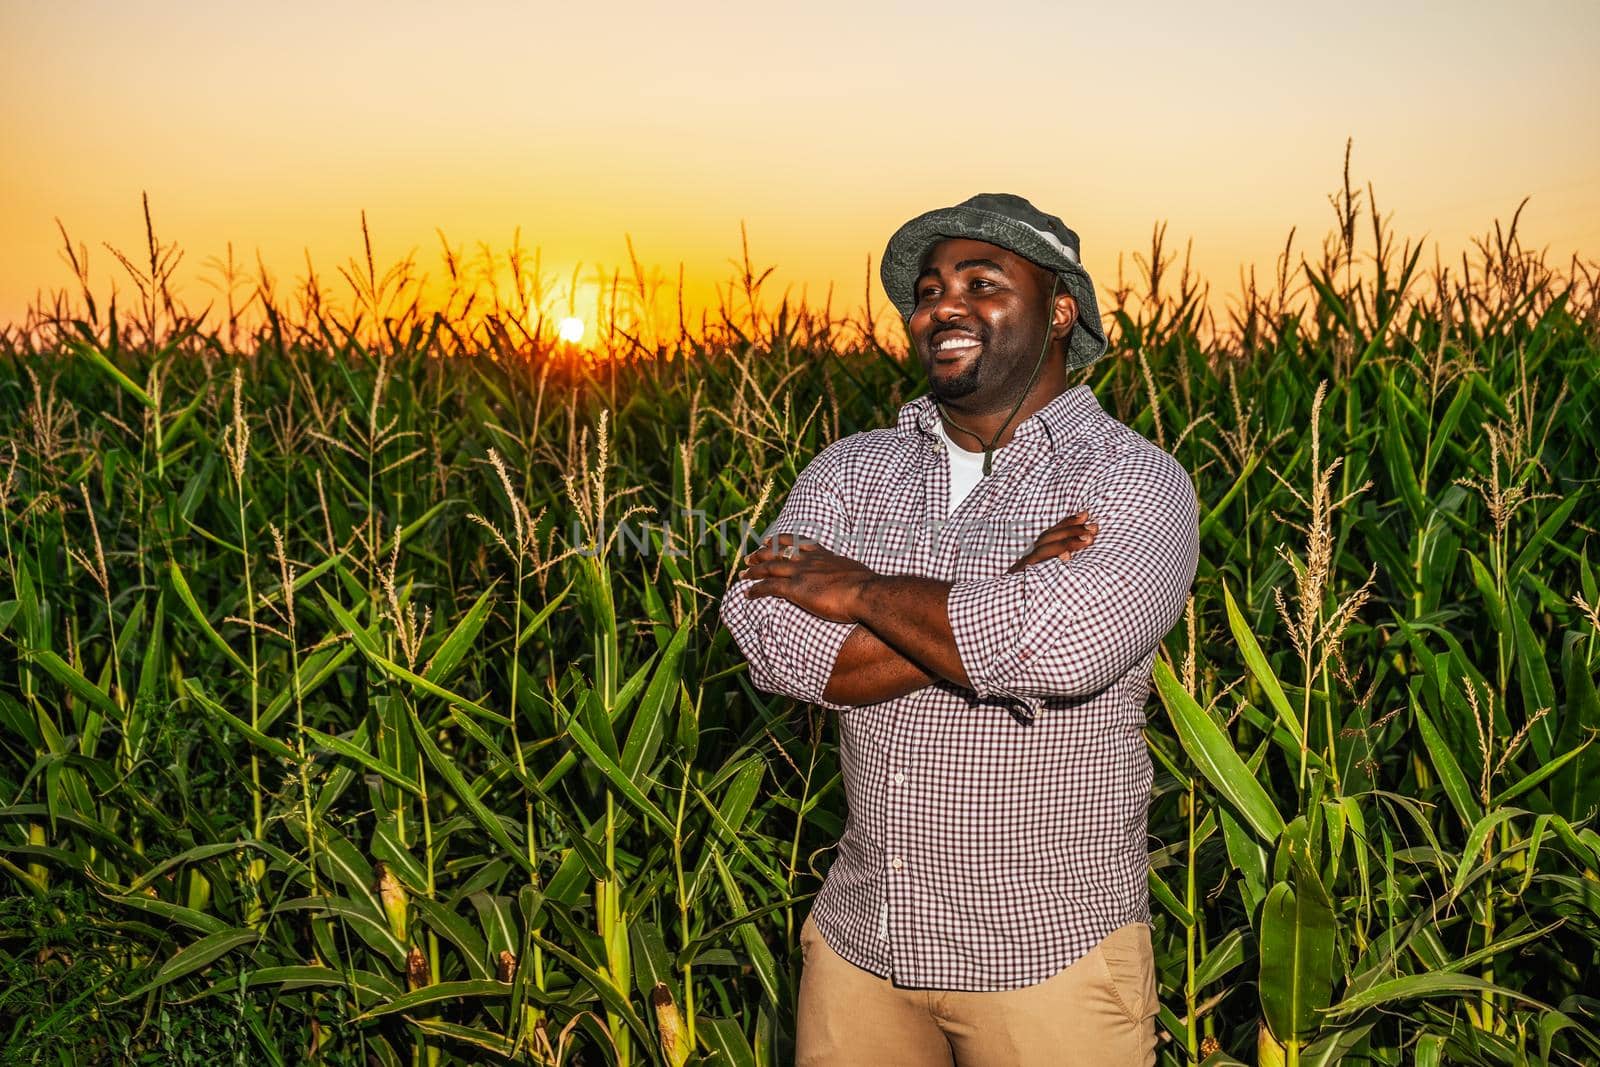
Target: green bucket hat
x=1014, y=224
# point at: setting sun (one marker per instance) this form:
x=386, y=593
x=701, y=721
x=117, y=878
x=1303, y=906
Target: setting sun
x=570, y=330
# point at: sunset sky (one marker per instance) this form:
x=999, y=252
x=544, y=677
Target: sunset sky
x=822, y=126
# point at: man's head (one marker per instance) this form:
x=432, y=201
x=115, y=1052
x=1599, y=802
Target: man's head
x=1016, y=227
x=982, y=318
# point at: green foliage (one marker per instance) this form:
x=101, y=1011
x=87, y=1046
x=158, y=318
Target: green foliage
x=345, y=718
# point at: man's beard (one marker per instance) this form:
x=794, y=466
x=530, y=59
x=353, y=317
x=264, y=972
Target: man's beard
x=971, y=378
x=963, y=384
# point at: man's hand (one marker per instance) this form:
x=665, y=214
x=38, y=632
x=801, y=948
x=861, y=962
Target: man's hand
x=806, y=574
x=1072, y=534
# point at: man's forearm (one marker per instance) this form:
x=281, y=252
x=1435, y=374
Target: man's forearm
x=908, y=613
x=870, y=672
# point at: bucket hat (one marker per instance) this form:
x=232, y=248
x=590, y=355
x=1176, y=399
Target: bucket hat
x=1012, y=223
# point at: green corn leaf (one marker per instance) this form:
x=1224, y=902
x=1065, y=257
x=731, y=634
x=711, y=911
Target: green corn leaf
x=1444, y=430
x=1164, y=896
x=1256, y=660
x=1449, y=771
x=726, y=1040
x=1215, y=511
x=602, y=987
x=473, y=989
x=233, y=722
x=1537, y=777
x=542, y=616
x=76, y=683
x=93, y=354
x=1538, y=690
x=198, y=921
x=403, y=865
x=22, y=725
x=761, y=961
x=315, y=669
x=1503, y=945
x=1472, y=852
x=1431, y=984
x=196, y=956
x=453, y=649
x=498, y=923
x=356, y=754
x=1221, y=959
x=346, y=866
x=576, y=834
x=1247, y=856
x=487, y=820
x=1214, y=756
x=199, y=854
x=374, y=932
x=1576, y=789
x=1330, y=1051
x=468, y=1035
x=1524, y=563
x=652, y=963
x=172, y=432
x=649, y=724
x=714, y=936
x=369, y=648
x=1296, y=947
x=456, y=930
x=180, y=585
x=1487, y=592
x=304, y=976
x=617, y=776
x=1397, y=456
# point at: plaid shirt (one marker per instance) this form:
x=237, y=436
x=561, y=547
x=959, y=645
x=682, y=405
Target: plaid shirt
x=994, y=835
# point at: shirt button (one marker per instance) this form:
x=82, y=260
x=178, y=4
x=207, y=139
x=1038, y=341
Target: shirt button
x=897, y=863
x=899, y=778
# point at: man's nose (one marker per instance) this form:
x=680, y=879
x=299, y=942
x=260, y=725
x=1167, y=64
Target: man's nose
x=949, y=305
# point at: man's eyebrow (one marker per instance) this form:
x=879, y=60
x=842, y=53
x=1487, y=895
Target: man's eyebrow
x=965, y=264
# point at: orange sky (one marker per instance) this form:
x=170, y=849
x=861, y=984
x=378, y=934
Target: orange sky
x=821, y=126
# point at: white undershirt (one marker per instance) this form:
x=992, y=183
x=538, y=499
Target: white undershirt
x=966, y=469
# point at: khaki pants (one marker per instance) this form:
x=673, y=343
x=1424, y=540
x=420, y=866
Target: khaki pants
x=1100, y=1010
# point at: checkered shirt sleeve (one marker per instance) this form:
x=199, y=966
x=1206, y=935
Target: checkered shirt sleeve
x=790, y=650
x=1072, y=628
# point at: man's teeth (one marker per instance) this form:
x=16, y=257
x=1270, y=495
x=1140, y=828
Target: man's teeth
x=957, y=342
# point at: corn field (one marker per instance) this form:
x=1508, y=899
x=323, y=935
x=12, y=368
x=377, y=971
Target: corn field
x=363, y=701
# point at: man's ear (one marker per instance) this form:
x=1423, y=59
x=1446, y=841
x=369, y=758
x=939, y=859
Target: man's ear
x=1063, y=315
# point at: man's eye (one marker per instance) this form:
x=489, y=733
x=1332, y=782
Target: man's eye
x=926, y=293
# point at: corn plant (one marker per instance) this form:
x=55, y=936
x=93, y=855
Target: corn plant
x=365, y=700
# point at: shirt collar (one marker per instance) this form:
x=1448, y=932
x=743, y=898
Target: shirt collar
x=1057, y=423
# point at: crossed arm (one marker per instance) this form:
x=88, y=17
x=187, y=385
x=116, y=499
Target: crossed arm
x=1069, y=618
x=901, y=638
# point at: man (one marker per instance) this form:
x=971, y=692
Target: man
x=990, y=649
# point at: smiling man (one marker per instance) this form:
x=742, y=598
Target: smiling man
x=980, y=591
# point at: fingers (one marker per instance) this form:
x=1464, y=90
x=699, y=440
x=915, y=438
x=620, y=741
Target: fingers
x=777, y=555
x=783, y=546
x=1075, y=533
x=1077, y=520
x=1064, y=542
x=761, y=589
x=1073, y=524
x=1039, y=555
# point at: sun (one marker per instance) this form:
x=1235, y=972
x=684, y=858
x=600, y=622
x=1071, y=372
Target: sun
x=570, y=330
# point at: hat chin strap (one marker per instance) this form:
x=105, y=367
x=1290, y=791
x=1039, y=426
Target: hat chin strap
x=988, y=448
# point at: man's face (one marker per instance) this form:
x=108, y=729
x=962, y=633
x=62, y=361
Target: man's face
x=980, y=320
